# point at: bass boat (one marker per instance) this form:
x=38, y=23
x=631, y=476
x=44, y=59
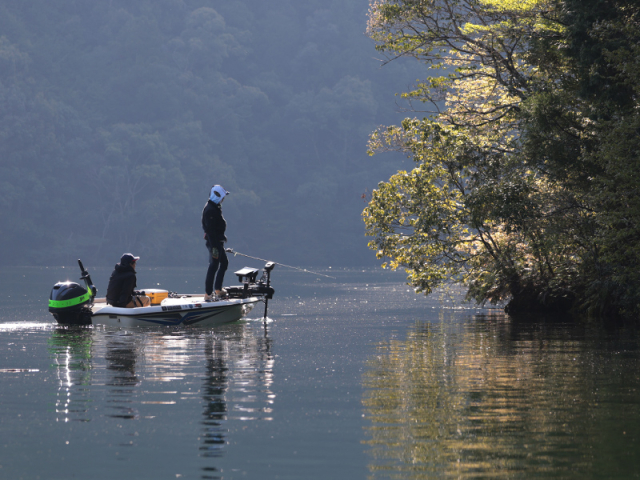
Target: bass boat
x=74, y=304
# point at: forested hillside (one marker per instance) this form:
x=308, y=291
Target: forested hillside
x=116, y=117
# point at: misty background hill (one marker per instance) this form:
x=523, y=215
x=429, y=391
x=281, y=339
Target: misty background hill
x=116, y=118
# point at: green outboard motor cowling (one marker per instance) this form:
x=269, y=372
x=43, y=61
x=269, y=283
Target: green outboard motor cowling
x=71, y=303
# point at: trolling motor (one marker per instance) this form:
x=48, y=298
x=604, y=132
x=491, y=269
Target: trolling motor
x=70, y=303
x=250, y=286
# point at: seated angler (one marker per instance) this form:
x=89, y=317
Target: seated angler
x=121, y=290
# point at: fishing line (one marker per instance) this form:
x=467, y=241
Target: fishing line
x=229, y=250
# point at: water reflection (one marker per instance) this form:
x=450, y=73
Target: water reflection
x=214, y=387
x=70, y=350
x=496, y=398
x=208, y=379
x=122, y=352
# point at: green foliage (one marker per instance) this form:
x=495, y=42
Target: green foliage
x=536, y=204
x=616, y=152
x=419, y=218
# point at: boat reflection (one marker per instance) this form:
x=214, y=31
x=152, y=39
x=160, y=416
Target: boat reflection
x=121, y=356
x=149, y=374
x=214, y=388
x=490, y=398
x=70, y=350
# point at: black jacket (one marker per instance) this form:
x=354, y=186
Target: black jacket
x=213, y=224
x=121, y=285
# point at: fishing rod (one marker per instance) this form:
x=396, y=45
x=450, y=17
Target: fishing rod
x=229, y=250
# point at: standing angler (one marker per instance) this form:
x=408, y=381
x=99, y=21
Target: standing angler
x=214, y=226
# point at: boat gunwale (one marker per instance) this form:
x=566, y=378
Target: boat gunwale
x=170, y=306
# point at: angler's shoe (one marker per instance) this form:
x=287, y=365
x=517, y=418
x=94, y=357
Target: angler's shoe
x=220, y=294
x=208, y=298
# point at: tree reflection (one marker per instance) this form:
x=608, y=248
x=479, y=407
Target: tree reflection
x=495, y=398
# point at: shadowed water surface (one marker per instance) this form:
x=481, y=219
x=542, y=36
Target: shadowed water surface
x=355, y=377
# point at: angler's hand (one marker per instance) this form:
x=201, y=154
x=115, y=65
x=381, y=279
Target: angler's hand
x=214, y=253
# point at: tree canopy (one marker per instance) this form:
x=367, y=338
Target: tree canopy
x=525, y=179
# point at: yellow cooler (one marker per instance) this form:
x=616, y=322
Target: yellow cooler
x=156, y=295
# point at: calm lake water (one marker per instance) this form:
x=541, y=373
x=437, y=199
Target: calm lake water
x=352, y=378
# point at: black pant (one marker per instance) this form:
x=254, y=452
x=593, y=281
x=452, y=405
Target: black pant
x=219, y=265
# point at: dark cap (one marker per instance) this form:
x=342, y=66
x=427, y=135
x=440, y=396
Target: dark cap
x=128, y=259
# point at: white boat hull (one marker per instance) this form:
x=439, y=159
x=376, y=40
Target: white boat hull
x=186, y=311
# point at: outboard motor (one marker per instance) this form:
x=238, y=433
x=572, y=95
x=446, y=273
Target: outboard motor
x=70, y=303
